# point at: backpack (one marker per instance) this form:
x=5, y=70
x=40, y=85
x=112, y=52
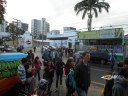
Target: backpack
x=70, y=80
x=108, y=88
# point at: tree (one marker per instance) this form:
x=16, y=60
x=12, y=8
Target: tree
x=2, y=10
x=15, y=31
x=90, y=7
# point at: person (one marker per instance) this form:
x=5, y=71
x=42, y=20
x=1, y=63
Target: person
x=83, y=80
x=70, y=78
x=112, y=60
x=77, y=56
x=22, y=74
x=31, y=54
x=126, y=62
x=34, y=48
x=37, y=65
x=120, y=87
x=53, y=55
x=68, y=65
x=59, y=71
x=49, y=73
x=46, y=55
x=29, y=74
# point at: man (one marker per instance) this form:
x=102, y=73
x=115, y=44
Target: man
x=22, y=74
x=59, y=71
x=77, y=56
x=29, y=75
x=112, y=59
x=34, y=48
x=83, y=75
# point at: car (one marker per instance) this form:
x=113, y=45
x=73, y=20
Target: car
x=53, y=47
x=11, y=50
x=101, y=57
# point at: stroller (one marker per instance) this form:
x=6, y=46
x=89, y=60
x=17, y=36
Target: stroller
x=41, y=89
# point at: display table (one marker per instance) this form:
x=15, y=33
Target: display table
x=8, y=70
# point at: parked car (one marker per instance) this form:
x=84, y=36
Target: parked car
x=101, y=57
x=11, y=50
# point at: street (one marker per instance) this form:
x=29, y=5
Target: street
x=97, y=83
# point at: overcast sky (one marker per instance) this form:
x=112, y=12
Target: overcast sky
x=60, y=13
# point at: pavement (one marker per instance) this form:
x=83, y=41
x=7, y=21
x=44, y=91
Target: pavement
x=94, y=89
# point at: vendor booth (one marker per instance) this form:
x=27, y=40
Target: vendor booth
x=110, y=39
x=9, y=63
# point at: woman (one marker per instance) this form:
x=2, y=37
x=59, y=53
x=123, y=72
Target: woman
x=37, y=65
x=70, y=67
x=49, y=73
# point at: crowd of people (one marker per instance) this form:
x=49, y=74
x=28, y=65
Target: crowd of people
x=76, y=69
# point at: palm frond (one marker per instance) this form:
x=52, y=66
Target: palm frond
x=105, y=4
x=80, y=5
x=95, y=11
x=106, y=8
x=84, y=13
x=80, y=10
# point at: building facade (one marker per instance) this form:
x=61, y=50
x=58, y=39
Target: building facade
x=35, y=28
x=3, y=26
x=68, y=38
x=21, y=25
x=39, y=28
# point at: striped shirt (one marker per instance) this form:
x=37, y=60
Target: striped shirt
x=22, y=73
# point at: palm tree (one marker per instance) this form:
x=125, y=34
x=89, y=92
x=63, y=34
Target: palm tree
x=2, y=10
x=90, y=8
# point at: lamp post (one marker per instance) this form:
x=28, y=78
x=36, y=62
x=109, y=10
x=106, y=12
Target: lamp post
x=17, y=20
x=43, y=33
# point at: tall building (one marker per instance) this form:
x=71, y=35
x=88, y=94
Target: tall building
x=39, y=28
x=35, y=27
x=3, y=26
x=23, y=26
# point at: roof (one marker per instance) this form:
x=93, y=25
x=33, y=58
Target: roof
x=43, y=40
x=64, y=36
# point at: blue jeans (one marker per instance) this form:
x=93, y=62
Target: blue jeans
x=81, y=92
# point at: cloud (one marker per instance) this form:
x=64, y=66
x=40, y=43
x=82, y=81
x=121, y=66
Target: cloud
x=60, y=13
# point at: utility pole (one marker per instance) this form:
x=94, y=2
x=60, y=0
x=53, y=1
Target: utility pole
x=17, y=20
x=43, y=33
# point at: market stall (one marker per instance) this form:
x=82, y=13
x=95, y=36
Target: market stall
x=110, y=39
x=8, y=70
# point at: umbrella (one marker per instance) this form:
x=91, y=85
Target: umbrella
x=4, y=34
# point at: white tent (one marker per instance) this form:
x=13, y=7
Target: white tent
x=26, y=40
x=4, y=34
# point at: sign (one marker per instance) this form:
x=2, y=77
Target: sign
x=28, y=42
x=102, y=34
x=107, y=33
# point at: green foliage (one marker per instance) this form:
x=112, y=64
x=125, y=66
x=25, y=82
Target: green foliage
x=91, y=7
x=8, y=69
x=2, y=10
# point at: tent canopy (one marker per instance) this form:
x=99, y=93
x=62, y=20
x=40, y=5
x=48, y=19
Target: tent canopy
x=4, y=34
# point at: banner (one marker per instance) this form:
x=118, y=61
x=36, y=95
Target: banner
x=102, y=34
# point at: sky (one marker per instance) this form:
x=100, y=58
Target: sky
x=60, y=13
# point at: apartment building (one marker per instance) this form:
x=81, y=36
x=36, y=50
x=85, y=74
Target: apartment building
x=3, y=26
x=21, y=25
x=39, y=28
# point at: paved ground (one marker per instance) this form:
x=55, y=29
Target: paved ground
x=94, y=89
